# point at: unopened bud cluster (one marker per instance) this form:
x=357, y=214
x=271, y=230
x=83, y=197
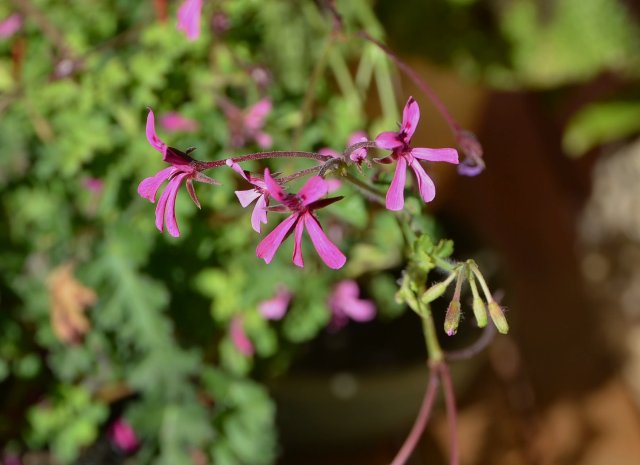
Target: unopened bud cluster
x=467, y=271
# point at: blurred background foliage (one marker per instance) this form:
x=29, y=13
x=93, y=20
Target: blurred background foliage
x=153, y=345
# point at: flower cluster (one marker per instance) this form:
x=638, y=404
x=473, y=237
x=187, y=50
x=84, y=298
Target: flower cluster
x=267, y=188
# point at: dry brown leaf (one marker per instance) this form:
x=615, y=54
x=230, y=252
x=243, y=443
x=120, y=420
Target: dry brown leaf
x=69, y=300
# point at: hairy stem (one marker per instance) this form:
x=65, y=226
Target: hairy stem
x=299, y=174
x=204, y=165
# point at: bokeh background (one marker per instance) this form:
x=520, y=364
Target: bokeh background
x=105, y=320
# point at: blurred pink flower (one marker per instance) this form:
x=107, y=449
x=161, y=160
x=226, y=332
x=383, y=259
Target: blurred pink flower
x=123, y=436
x=175, y=122
x=183, y=168
x=247, y=125
x=301, y=206
x=10, y=25
x=357, y=156
x=405, y=155
x=345, y=304
x=239, y=337
x=189, y=18
x=94, y=185
x=275, y=308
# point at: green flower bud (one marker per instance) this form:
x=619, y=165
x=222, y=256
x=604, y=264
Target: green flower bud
x=498, y=318
x=452, y=318
x=480, y=311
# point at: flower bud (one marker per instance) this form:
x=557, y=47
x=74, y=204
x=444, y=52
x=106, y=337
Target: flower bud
x=497, y=315
x=480, y=311
x=452, y=318
x=437, y=290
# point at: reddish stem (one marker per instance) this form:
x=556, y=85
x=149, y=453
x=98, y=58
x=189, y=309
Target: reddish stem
x=421, y=420
x=452, y=417
x=418, y=81
x=160, y=6
x=203, y=165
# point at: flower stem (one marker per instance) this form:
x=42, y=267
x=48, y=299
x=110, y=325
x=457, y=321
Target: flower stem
x=452, y=417
x=371, y=192
x=204, y=165
x=421, y=421
x=430, y=335
x=422, y=85
x=299, y=174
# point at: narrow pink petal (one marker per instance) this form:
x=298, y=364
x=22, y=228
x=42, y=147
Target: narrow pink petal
x=264, y=140
x=395, y=194
x=329, y=253
x=274, y=309
x=333, y=185
x=192, y=192
x=446, y=154
x=275, y=190
x=425, y=184
x=247, y=196
x=152, y=137
x=170, y=209
x=189, y=18
x=148, y=187
x=254, y=119
x=269, y=245
x=410, y=119
x=297, y=245
x=314, y=189
x=259, y=214
x=238, y=169
x=388, y=140
x=161, y=208
x=239, y=337
x=10, y=25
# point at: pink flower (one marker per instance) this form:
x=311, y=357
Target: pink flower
x=357, y=156
x=183, y=168
x=259, y=192
x=123, y=436
x=275, y=308
x=405, y=155
x=175, y=122
x=247, y=125
x=239, y=337
x=10, y=25
x=301, y=206
x=189, y=18
x=94, y=185
x=345, y=305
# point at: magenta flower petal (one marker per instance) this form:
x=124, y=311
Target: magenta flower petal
x=264, y=140
x=189, y=18
x=170, y=208
x=358, y=155
x=314, y=189
x=425, y=184
x=123, y=436
x=275, y=190
x=259, y=214
x=328, y=152
x=238, y=169
x=274, y=309
x=395, y=194
x=410, y=119
x=269, y=245
x=329, y=253
x=446, y=154
x=175, y=122
x=255, y=116
x=10, y=25
x=152, y=137
x=192, y=191
x=148, y=187
x=345, y=300
x=239, y=337
x=247, y=196
x=297, y=245
x=388, y=140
